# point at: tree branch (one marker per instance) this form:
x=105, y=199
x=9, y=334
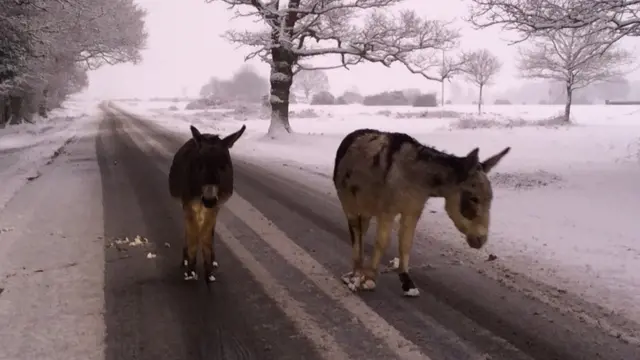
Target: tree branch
x=327, y=28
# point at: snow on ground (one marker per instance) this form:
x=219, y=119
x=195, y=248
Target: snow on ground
x=24, y=148
x=567, y=199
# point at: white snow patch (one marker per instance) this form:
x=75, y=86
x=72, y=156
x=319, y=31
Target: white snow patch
x=394, y=263
x=280, y=77
x=566, y=198
x=412, y=292
x=274, y=99
x=138, y=241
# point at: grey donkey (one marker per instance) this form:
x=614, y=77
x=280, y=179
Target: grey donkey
x=383, y=174
x=201, y=178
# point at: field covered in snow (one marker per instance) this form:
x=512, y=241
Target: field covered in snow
x=567, y=198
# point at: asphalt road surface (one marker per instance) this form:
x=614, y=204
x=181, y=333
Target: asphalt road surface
x=282, y=246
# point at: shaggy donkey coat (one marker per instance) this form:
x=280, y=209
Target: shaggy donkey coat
x=382, y=174
x=201, y=178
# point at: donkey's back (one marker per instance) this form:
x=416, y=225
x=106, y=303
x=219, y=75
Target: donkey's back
x=376, y=171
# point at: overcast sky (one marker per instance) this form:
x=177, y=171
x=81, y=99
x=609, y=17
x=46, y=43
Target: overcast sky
x=185, y=49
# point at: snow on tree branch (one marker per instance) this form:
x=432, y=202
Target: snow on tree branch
x=46, y=47
x=619, y=17
x=481, y=66
x=575, y=57
x=345, y=32
x=327, y=28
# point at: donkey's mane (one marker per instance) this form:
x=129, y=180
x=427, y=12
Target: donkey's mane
x=425, y=152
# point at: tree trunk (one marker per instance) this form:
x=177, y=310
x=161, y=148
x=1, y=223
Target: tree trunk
x=281, y=80
x=442, y=94
x=567, y=105
x=16, y=110
x=4, y=111
x=42, y=106
x=480, y=100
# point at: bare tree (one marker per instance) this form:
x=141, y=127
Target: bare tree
x=527, y=17
x=310, y=82
x=577, y=57
x=448, y=67
x=480, y=68
x=341, y=30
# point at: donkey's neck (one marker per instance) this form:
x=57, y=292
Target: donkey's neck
x=439, y=172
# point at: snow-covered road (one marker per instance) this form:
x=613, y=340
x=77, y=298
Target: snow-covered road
x=567, y=199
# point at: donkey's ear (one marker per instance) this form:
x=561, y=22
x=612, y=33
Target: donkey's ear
x=472, y=159
x=229, y=140
x=469, y=163
x=491, y=162
x=472, y=156
x=197, y=136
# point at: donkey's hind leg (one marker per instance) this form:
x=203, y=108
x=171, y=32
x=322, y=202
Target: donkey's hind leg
x=358, y=226
x=406, y=234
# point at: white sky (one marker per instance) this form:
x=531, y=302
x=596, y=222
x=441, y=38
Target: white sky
x=185, y=49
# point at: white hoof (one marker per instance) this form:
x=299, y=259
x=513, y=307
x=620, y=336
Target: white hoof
x=412, y=292
x=347, y=278
x=211, y=278
x=191, y=275
x=368, y=284
x=215, y=264
x=358, y=282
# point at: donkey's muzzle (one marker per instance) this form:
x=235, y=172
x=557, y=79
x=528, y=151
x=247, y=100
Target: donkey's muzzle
x=476, y=242
x=209, y=196
x=209, y=202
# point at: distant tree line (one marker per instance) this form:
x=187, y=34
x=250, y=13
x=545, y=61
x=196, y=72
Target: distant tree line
x=409, y=97
x=245, y=85
x=47, y=47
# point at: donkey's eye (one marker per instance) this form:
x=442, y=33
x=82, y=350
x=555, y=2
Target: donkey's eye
x=474, y=200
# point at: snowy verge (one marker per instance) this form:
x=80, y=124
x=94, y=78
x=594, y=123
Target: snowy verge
x=566, y=198
x=25, y=148
x=52, y=261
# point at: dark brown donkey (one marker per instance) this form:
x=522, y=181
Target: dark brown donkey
x=201, y=177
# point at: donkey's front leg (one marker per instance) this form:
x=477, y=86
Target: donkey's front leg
x=214, y=262
x=190, y=250
x=208, y=254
